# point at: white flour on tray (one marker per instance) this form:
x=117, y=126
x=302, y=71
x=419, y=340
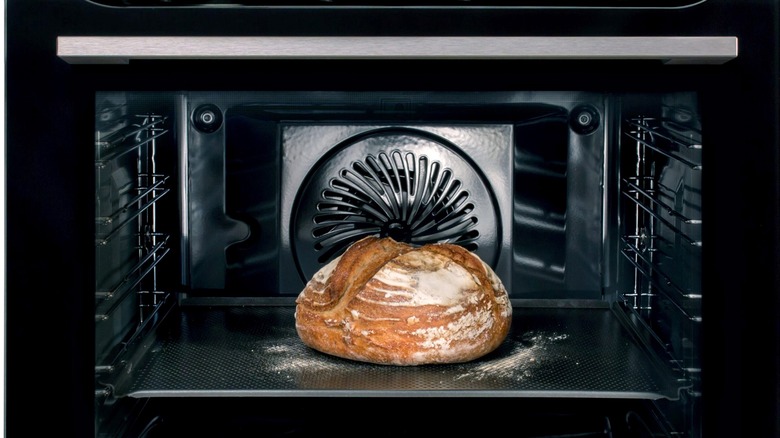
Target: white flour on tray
x=519, y=363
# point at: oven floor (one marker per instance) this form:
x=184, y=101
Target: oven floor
x=255, y=351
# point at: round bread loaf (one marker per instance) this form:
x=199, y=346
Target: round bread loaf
x=391, y=303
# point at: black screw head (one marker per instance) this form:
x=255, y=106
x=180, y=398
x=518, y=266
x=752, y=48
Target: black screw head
x=207, y=118
x=584, y=119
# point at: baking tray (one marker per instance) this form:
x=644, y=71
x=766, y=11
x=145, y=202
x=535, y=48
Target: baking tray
x=254, y=351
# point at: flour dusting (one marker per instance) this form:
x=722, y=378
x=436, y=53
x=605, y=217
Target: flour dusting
x=519, y=362
x=287, y=358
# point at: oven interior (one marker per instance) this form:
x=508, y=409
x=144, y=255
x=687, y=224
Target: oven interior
x=214, y=208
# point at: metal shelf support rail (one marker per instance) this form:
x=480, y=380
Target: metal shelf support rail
x=159, y=248
x=657, y=235
x=148, y=197
x=636, y=199
x=147, y=229
x=641, y=189
x=113, y=145
x=151, y=246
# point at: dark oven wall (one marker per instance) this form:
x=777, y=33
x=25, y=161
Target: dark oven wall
x=50, y=162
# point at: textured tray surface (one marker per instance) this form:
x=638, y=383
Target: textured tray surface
x=255, y=351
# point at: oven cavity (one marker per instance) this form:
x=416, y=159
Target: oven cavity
x=215, y=208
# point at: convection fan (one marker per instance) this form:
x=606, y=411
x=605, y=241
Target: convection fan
x=408, y=184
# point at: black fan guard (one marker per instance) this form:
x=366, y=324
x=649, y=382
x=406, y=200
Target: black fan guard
x=406, y=183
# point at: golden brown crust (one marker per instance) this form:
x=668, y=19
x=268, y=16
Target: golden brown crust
x=391, y=303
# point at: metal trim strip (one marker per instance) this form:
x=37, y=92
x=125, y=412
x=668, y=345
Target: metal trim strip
x=668, y=49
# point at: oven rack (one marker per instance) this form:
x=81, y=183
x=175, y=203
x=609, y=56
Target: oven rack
x=662, y=282
x=658, y=135
x=655, y=213
x=129, y=139
x=661, y=235
x=152, y=246
x=651, y=203
x=148, y=195
x=107, y=299
x=128, y=245
x=254, y=351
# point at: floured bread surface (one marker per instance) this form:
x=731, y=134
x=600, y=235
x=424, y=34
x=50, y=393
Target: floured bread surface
x=390, y=303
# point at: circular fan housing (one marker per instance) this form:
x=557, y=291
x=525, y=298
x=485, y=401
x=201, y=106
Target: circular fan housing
x=408, y=184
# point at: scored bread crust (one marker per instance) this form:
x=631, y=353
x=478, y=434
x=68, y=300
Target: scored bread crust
x=391, y=303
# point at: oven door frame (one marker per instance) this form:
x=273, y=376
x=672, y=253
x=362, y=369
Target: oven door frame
x=50, y=324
